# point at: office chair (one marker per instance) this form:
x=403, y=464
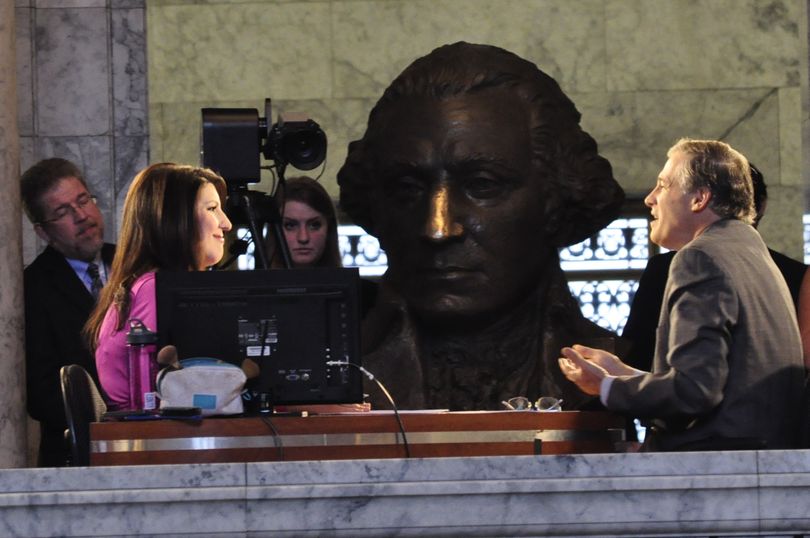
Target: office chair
x=83, y=405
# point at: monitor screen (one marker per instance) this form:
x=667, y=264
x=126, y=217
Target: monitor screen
x=291, y=322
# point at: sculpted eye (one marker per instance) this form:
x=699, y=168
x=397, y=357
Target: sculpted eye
x=406, y=188
x=484, y=187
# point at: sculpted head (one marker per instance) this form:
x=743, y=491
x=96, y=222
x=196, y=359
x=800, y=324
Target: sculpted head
x=472, y=172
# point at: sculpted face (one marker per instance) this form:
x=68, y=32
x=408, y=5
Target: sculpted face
x=458, y=207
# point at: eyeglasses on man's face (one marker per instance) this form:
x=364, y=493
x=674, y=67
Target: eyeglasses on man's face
x=71, y=209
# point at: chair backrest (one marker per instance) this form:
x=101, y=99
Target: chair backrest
x=83, y=405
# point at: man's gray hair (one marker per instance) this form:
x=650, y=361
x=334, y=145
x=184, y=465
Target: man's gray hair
x=723, y=170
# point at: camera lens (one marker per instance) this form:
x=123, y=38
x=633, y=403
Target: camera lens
x=301, y=150
x=301, y=144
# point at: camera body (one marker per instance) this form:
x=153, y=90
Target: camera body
x=234, y=138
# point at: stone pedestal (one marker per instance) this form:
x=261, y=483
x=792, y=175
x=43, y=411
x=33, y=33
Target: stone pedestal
x=688, y=494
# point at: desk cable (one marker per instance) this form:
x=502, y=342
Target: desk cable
x=276, y=436
x=371, y=377
x=277, y=441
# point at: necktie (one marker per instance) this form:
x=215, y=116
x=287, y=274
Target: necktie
x=95, y=279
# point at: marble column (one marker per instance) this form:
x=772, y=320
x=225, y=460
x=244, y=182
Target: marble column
x=804, y=28
x=12, y=358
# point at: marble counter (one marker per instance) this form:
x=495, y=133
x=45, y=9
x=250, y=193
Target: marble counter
x=763, y=493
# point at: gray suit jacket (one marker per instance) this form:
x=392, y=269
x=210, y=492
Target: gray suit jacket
x=728, y=358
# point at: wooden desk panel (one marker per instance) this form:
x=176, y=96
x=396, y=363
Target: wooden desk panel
x=352, y=436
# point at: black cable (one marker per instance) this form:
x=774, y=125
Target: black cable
x=371, y=377
x=279, y=444
x=265, y=401
x=263, y=342
x=273, y=179
x=323, y=169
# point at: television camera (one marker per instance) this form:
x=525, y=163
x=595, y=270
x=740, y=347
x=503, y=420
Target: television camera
x=233, y=139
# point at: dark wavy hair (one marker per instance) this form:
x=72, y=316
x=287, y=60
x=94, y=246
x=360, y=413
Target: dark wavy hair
x=581, y=195
x=158, y=232
x=760, y=193
x=42, y=177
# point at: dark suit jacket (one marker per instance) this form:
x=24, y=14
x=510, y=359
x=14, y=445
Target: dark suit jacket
x=57, y=306
x=643, y=318
x=728, y=359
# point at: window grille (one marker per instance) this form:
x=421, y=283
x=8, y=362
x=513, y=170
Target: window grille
x=602, y=271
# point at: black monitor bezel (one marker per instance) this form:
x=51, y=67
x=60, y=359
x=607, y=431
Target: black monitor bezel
x=303, y=283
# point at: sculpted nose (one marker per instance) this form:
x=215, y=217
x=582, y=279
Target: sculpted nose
x=441, y=222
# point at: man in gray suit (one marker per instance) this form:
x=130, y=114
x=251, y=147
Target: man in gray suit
x=727, y=371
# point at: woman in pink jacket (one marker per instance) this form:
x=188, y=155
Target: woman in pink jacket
x=173, y=220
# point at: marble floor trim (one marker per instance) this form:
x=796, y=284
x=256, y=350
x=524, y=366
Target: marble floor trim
x=763, y=493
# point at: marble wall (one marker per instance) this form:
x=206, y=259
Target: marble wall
x=81, y=87
x=642, y=72
x=12, y=367
x=81, y=95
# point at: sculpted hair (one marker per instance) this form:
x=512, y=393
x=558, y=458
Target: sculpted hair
x=308, y=191
x=41, y=178
x=158, y=232
x=723, y=170
x=581, y=195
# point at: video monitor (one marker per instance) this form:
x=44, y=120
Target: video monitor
x=291, y=322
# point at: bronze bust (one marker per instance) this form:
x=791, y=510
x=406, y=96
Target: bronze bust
x=472, y=172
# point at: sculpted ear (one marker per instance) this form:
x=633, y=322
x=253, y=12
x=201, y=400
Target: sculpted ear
x=578, y=204
x=581, y=195
x=553, y=210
